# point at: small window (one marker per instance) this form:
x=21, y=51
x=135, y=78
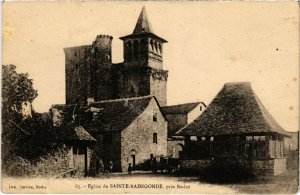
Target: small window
x=155, y=117
x=256, y=138
x=155, y=138
x=193, y=138
x=107, y=138
x=200, y=108
x=151, y=156
x=249, y=138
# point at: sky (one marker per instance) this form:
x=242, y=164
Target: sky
x=209, y=44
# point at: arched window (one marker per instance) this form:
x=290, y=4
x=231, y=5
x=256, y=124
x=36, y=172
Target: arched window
x=151, y=45
x=135, y=49
x=155, y=46
x=159, y=48
x=143, y=47
x=129, y=50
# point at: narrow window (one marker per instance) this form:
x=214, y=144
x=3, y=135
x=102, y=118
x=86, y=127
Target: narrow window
x=155, y=117
x=151, y=156
x=107, y=138
x=129, y=51
x=155, y=138
x=135, y=49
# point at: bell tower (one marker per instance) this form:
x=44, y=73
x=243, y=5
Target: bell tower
x=143, y=62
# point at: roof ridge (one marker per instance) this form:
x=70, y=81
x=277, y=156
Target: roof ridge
x=124, y=99
x=267, y=115
x=182, y=104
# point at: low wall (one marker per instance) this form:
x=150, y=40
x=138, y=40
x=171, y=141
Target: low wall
x=269, y=167
x=263, y=167
x=48, y=166
x=259, y=167
x=292, y=160
x=279, y=166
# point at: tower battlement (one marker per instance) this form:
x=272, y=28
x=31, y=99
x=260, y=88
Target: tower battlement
x=103, y=41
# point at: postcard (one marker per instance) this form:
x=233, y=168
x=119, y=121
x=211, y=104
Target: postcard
x=166, y=97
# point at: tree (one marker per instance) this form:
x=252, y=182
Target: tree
x=28, y=138
x=16, y=88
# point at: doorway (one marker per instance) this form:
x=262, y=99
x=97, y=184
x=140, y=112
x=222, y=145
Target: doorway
x=133, y=161
x=80, y=158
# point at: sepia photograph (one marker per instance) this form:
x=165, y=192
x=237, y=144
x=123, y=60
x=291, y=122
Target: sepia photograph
x=150, y=97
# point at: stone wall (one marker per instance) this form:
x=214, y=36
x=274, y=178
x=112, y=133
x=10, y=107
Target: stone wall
x=292, y=160
x=175, y=122
x=269, y=166
x=88, y=70
x=50, y=165
x=137, y=138
x=259, y=167
x=279, y=166
x=263, y=167
x=135, y=79
x=174, y=146
x=158, y=85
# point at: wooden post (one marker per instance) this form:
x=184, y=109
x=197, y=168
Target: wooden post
x=85, y=161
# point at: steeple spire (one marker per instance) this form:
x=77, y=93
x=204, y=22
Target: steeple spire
x=143, y=25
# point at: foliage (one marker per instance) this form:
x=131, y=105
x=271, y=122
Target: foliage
x=231, y=169
x=16, y=88
x=28, y=138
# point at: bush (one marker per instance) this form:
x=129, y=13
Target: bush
x=228, y=170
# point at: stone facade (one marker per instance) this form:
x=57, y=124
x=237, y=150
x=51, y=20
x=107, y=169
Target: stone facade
x=175, y=148
x=89, y=70
x=137, y=138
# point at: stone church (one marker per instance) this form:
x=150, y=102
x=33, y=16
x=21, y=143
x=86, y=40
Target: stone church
x=122, y=106
x=91, y=73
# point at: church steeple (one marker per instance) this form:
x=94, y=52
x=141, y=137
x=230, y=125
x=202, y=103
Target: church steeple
x=143, y=72
x=143, y=43
x=143, y=25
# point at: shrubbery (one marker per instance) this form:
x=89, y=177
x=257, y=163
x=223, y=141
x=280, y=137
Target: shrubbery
x=228, y=170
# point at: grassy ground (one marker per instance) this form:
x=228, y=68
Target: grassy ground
x=287, y=183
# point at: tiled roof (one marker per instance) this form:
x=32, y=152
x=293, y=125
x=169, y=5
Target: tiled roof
x=116, y=115
x=235, y=110
x=180, y=108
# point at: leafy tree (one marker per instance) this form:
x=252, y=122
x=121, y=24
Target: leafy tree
x=29, y=138
x=16, y=88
